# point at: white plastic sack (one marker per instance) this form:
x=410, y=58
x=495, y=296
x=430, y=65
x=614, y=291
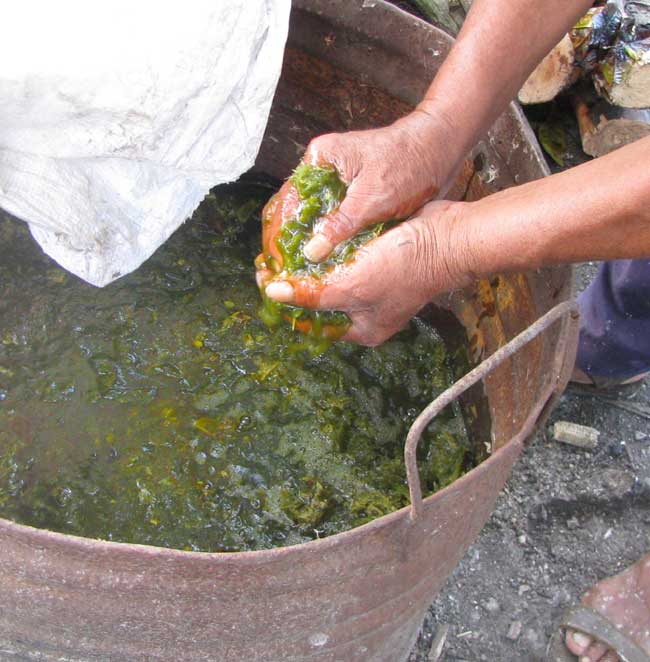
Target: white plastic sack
x=117, y=117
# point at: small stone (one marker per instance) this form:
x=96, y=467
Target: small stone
x=640, y=436
x=618, y=483
x=575, y=435
x=606, y=484
x=535, y=643
x=522, y=539
x=560, y=596
x=573, y=523
x=560, y=551
x=438, y=643
x=491, y=605
x=514, y=630
x=616, y=449
x=524, y=588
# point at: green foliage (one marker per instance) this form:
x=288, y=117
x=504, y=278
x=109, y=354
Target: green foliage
x=552, y=138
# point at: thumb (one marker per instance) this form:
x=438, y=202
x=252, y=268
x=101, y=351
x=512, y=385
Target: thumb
x=344, y=222
x=309, y=292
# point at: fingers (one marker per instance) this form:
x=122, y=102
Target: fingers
x=262, y=276
x=331, y=231
x=341, y=151
x=346, y=286
x=308, y=293
x=338, y=150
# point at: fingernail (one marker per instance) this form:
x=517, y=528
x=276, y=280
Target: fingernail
x=581, y=640
x=281, y=291
x=318, y=248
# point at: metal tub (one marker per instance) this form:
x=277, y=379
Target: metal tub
x=360, y=595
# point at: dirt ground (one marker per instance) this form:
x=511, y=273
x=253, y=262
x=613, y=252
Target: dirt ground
x=567, y=518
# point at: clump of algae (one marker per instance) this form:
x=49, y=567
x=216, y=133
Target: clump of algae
x=288, y=221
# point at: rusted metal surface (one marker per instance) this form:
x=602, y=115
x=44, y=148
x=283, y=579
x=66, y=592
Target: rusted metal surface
x=477, y=374
x=358, y=596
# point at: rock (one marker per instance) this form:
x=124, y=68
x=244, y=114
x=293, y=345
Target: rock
x=606, y=484
x=640, y=436
x=573, y=523
x=524, y=588
x=616, y=449
x=618, y=483
x=560, y=596
x=491, y=605
x=438, y=643
x=560, y=551
x=514, y=630
x=575, y=435
x=211, y=401
x=535, y=642
x=639, y=454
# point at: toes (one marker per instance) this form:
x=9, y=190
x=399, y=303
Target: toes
x=588, y=650
x=577, y=642
x=596, y=653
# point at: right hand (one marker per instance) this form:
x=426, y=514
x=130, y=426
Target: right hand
x=390, y=172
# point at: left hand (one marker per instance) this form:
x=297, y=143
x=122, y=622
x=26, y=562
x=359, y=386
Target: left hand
x=391, y=278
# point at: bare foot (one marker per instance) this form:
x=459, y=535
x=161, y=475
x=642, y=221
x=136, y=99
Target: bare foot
x=624, y=600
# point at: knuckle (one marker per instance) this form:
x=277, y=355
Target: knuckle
x=338, y=226
x=307, y=293
x=319, y=149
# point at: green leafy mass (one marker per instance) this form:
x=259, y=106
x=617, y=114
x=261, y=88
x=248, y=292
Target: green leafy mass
x=161, y=410
x=320, y=190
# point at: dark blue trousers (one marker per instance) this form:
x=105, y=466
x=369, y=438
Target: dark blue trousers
x=615, y=324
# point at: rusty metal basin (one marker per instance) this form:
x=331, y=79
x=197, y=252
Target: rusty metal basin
x=360, y=595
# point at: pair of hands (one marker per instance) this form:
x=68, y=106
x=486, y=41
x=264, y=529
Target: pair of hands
x=391, y=173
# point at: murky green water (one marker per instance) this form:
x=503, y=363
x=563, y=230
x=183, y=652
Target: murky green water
x=161, y=410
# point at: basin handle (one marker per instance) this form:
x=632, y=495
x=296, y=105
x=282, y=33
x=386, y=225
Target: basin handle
x=471, y=378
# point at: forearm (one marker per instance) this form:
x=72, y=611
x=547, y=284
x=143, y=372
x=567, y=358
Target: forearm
x=599, y=210
x=500, y=44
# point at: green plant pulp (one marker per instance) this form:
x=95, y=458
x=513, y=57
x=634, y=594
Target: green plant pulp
x=320, y=190
x=160, y=410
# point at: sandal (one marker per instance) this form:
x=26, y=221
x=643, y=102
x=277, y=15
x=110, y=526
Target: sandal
x=592, y=623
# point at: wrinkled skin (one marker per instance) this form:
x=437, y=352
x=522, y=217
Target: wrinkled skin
x=389, y=280
x=269, y=263
x=288, y=220
x=390, y=172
